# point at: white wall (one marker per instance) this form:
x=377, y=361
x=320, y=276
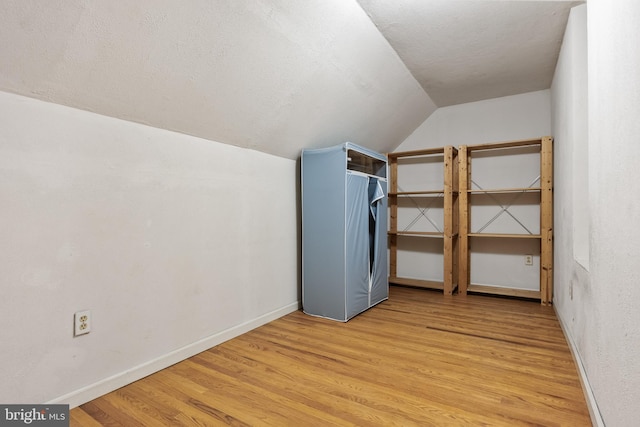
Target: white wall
x=572, y=287
x=501, y=119
x=603, y=318
x=174, y=243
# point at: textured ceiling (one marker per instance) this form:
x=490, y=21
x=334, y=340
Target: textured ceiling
x=271, y=75
x=278, y=75
x=469, y=50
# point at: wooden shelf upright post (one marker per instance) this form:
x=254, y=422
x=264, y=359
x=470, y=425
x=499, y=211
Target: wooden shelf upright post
x=392, y=161
x=546, y=220
x=450, y=238
x=464, y=221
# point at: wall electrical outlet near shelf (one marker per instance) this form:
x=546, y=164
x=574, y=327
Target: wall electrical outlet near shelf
x=82, y=322
x=528, y=260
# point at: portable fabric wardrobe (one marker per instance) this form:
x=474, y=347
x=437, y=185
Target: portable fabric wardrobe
x=344, y=231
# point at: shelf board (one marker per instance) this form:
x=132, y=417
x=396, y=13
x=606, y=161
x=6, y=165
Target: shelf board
x=416, y=153
x=416, y=233
x=418, y=283
x=502, y=145
x=508, y=236
x=496, y=290
x=417, y=193
x=507, y=190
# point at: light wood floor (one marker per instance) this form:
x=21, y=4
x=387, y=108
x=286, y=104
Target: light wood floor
x=417, y=359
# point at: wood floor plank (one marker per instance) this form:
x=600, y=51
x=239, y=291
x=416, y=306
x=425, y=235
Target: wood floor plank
x=369, y=394
x=339, y=393
x=237, y=367
x=171, y=389
x=443, y=369
x=492, y=386
x=79, y=417
x=419, y=358
x=494, y=356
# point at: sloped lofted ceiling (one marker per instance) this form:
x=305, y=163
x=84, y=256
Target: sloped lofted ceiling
x=277, y=75
x=468, y=50
x=270, y=75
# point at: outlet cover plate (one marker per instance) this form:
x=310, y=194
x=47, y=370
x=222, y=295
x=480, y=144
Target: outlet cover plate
x=82, y=322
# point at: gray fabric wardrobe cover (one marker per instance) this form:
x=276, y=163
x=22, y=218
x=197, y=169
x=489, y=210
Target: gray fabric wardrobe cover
x=344, y=231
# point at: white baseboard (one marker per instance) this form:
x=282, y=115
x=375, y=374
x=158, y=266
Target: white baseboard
x=592, y=405
x=107, y=385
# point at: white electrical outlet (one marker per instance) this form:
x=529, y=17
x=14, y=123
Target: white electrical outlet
x=82, y=323
x=528, y=260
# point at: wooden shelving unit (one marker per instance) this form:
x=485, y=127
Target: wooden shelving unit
x=449, y=234
x=545, y=236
